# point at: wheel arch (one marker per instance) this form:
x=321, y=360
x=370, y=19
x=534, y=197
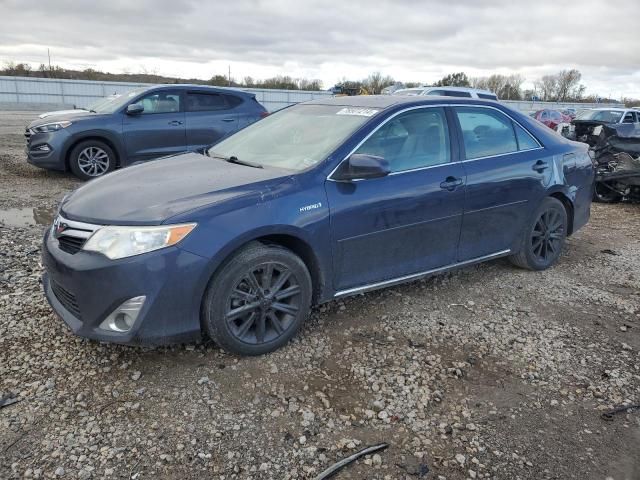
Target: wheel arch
x=567, y=203
x=287, y=238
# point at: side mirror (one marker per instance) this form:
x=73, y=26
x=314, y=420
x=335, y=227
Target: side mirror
x=135, y=109
x=361, y=166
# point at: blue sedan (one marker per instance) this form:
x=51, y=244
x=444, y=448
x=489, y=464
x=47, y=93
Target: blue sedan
x=321, y=200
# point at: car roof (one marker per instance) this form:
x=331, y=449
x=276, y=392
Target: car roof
x=611, y=109
x=202, y=88
x=388, y=101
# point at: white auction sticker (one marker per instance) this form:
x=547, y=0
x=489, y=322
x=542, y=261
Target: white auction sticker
x=363, y=112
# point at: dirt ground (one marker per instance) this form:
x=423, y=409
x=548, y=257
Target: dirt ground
x=487, y=372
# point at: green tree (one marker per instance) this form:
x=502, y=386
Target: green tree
x=458, y=79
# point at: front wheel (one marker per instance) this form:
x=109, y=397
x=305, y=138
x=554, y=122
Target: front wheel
x=544, y=238
x=91, y=159
x=258, y=300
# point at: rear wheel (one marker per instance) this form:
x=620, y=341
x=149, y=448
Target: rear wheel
x=544, y=238
x=91, y=159
x=258, y=300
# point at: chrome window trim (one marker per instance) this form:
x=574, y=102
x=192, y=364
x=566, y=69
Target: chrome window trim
x=373, y=286
x=438, y=105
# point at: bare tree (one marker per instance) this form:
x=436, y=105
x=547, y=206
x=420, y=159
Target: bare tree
x=568, y=84
x=547, y=87
x=375, y=82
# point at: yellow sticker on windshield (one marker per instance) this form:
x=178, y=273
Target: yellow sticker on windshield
x=362, y=112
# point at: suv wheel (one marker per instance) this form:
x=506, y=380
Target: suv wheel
x=258, y=300
x=544, y=238
x=91, y=159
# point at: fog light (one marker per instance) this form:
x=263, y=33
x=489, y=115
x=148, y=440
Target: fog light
x=122, y=318
x=42, y=148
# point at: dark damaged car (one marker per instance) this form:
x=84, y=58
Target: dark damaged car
x=587, y=125
x=319, y=201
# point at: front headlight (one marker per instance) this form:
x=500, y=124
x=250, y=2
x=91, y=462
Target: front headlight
x=51, y=127
x=120, y=242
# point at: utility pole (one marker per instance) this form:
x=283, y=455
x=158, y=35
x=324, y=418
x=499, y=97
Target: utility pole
x=49, y=55
x=229, y=75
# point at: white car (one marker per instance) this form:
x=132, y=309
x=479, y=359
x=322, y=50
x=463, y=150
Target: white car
x=448, y=92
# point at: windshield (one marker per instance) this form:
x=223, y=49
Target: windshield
x=607, y=116
x=295, y=138
x=111, y=104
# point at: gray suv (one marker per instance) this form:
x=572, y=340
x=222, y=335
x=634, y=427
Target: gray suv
x=143, y=124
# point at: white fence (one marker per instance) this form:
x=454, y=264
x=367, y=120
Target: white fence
x=47, y=92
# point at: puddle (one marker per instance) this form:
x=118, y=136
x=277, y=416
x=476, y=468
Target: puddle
x=26, y=217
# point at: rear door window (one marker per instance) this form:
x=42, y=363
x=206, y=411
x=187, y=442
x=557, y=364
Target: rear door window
x=485, y=132
x=210, y=102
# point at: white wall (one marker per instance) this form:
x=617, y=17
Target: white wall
x=51, y=92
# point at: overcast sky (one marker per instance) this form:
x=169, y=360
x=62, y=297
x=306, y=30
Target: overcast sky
x=409, y=40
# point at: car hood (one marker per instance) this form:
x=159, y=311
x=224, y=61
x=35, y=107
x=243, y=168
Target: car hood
x=151, y=193
x=62, y=112
x=74, y=116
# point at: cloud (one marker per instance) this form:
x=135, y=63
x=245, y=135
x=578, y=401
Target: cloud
x=410, y=40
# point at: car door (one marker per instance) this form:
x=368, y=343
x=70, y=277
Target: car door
x=407, y=222
x=506, y=172
x=210, y=117
x=159, y=130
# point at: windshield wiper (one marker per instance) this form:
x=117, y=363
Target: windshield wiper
x=232, y=159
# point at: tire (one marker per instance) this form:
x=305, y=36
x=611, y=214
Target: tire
x=249, y=311
x=91, y=159
x=543, y=239
x=602, y=194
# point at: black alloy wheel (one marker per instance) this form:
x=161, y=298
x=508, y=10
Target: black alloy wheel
x=258, y=300
x=263, y=304
x=543, y=239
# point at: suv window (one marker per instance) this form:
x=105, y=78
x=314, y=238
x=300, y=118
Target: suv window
x=436, y=92
x=486, y=132
x=160, y=102
x=455, y=93
x=629, y=117
x=208, y=102
x=415, y=139
x=487, y=96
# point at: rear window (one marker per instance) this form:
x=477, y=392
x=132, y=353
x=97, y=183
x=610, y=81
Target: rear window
x=209, y=102
x=456, y=93
x=487, y=96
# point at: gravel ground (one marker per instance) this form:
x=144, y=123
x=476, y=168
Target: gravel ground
x=488, y=372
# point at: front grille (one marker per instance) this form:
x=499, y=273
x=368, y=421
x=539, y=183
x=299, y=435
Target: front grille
x=66, y=298
x=27, y=134
x=71, y=245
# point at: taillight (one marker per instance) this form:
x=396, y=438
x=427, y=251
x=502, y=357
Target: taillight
x=264, y=114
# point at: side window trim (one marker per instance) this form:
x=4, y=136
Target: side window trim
x=454, y=131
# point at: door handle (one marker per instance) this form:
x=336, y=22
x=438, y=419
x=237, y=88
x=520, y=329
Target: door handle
x=540, y=166
x=228, y=119
x=451, y=183
x=175, y=123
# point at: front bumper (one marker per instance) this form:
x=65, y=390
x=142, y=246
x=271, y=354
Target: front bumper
x=53, y=159
x=85, y=287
